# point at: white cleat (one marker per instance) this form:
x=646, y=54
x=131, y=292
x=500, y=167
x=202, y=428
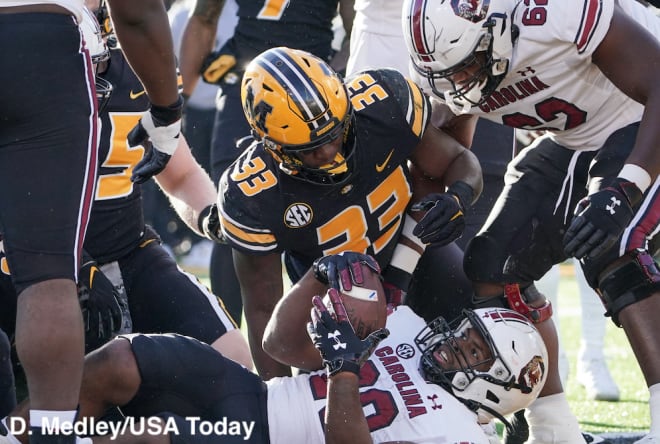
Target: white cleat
x=597, y=381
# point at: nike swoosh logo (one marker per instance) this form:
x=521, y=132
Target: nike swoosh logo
x=134, y=96
x=382, y=166
x=91, y=276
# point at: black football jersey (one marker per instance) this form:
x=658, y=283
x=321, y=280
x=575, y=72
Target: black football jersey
x=117, y=221
x=264, y=210
x=300, y=24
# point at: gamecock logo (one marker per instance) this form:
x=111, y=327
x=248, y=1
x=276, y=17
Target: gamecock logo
x=472, y=10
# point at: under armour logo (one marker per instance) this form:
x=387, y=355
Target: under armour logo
x=615, y=203
x=524, y=72
x=335, y=337
x=435, y=406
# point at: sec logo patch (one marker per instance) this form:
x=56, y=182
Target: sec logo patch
x=298, y=215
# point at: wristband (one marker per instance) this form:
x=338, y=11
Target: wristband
x=166, y=115
x=405, y=258
x=408, y=226
x=637, y=175
x=202, y=215
x=464, y=192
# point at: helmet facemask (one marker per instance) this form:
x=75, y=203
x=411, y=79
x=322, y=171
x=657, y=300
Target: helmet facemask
x=99, y=53
x=476, y=90
x=440, y=335
x=496, y=384
x=445, y=38
x=337, y=172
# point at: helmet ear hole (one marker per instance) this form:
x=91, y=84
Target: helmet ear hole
x=492, y=397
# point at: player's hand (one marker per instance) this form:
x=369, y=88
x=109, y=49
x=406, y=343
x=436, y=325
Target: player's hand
x=216, y=65
x=334, y=337
x=99, y=304
x=444, y=220
x=158, y=132
x=211, y=225
x=345, y=267
x=599, y=219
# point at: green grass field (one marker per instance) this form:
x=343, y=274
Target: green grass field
x=631, y=413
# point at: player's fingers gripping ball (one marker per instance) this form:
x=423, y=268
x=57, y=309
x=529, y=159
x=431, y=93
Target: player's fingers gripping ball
x=333, y=336
x=365, y=305
x=343, y=270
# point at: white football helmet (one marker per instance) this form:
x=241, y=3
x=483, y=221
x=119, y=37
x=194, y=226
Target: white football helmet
x=508, y=381
x=446, y=36
x=98, y=51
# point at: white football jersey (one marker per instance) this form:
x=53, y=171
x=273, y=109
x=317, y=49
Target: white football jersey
x=397, y=402
x=552, y=83
x=379, y=16
x=75, y=6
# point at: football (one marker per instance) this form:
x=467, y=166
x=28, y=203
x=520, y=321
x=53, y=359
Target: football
x=365, y=305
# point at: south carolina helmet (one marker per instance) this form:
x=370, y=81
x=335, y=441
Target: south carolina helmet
x=98, y=51
x=294, y=103
x=518, y=362
x=446, y=36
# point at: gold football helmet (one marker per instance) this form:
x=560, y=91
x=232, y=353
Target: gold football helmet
x=296, y=103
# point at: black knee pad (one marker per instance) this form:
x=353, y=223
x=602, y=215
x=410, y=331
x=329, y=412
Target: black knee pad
x=633, y=278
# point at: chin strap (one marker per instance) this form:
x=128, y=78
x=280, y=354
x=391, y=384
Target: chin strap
x=475, y=406
x=516, y=302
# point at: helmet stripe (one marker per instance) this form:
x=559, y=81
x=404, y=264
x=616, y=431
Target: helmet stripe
x=417, y=13
x=307, y=98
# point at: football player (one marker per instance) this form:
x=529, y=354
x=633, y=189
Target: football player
x=124, y=257
x=333, y=168
x=48, y=153
x=585, y=72
x=161, y=297
x=414, y=382
x=303, y=24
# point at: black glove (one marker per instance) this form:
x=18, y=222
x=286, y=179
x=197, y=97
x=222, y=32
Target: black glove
x=344, y=267
x=158, y=132
x=216, y=65
x=99, y=304
x=209, y=224
x=444, y=220
x=334, y=337
x=600, y=219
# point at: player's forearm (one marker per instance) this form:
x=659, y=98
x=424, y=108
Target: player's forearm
x=144, y=33
x=197, y=41
x=345, y=420
x=260, y=278
x=193, y=197
x=645, y=151
x=188, y=187
x=466, y=168
x=285, y=337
